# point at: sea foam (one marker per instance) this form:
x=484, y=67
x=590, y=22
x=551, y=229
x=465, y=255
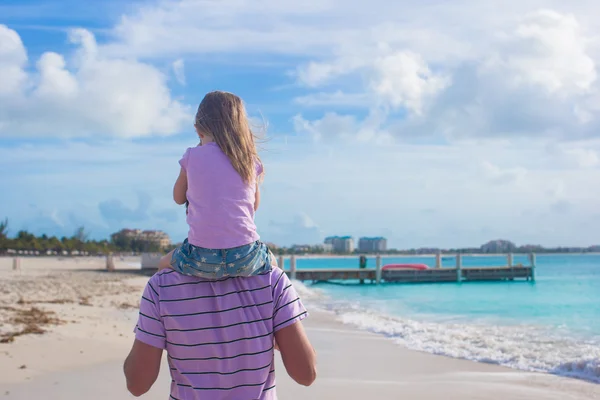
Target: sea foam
x=524, y=347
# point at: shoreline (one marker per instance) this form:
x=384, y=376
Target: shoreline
x=90, y=346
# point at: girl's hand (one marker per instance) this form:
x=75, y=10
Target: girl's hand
x=165, y=261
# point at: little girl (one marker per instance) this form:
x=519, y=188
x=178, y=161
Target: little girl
x=218, y=182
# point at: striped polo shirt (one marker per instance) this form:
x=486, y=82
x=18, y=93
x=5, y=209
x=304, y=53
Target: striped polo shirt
x=219, y=335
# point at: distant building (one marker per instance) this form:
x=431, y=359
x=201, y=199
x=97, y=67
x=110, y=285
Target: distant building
x=372, y=244
x=159, y=238
x=340, y=244
x=327, y=247
x=498, y=246
x=300, y=248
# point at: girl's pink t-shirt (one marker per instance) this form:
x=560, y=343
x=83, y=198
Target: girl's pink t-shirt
x=221, y=204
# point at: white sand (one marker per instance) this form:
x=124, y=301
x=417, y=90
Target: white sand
x=82, y=358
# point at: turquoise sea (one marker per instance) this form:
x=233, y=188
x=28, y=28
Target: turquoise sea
x=551, y=325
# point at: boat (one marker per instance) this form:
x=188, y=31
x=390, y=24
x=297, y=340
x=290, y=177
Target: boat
x=395, y=267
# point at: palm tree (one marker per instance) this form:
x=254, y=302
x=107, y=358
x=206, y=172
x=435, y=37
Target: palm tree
x=4, y=235
x=4, y=228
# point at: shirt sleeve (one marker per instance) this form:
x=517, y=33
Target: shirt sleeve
x=259, y=168
x=150, y=328
x=184, y=159
x=287, y=306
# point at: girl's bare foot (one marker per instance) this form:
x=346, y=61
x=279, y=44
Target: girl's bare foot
x=274, y=262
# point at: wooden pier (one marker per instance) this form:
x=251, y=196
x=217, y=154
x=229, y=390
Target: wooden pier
x=432, y=275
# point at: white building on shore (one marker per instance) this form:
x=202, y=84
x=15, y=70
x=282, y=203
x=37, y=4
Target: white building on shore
x=340, y=244
x=159, y=238
x=372, y=244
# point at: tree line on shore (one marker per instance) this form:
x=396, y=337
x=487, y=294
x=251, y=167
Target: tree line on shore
x=79, y=243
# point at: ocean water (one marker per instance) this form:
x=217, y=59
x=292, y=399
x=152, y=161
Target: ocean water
x=551, y=325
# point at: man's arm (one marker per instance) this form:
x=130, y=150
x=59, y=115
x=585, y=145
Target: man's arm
x=298, y=355
x=141, y=367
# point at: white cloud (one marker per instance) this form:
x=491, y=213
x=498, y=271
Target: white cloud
x=179, y=71
x=534, y=77
x=561, y=207
x=548, y=49
x=12, y=60
x=503, y=175
x=586, y=158
x=313, y=74
x=437, y=29
x=447, y=68
x=580, y=157
x=192, y=27
x=575, y=155
x=399, y=79
x=331, y=126
x=405, y=80
x=557, y=189
x=90, y=95
x=336, y=99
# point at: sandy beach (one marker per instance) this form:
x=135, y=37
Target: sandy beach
x=66, y=327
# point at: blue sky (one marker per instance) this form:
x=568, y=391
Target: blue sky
x=433, y=124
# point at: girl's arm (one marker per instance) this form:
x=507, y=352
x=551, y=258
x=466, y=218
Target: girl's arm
x=257, y=198
x=180, y=188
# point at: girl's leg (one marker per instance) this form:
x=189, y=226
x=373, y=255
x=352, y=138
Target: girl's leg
x=274, y=262
x=165, y=261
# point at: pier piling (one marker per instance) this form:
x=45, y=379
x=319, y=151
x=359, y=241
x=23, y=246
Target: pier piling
x=509, y=258
x=362, y=264
x=438, y=260
x=110, y=262
x=293, y=267
x=378, y=269
x=458, y=267
x=532, y=265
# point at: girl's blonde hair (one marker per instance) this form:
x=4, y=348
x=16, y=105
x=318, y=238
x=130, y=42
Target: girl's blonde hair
x=222, y=116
